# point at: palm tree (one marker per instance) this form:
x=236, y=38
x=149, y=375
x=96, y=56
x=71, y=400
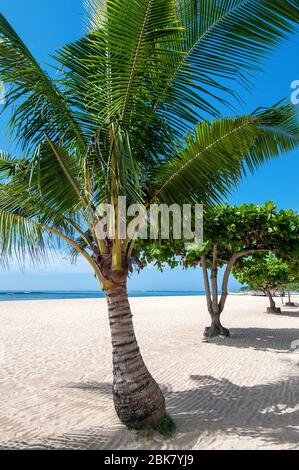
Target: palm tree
x=111, y=122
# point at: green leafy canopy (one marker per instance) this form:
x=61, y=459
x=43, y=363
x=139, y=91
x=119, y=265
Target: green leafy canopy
x=263, y=272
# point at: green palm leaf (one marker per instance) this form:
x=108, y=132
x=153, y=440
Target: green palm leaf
x=41, y=106
x=19, y=237
x=218, y=154
x=29, y=223
x=224, y=39
x=121, y=56
x=57, y=177
x=10, y=165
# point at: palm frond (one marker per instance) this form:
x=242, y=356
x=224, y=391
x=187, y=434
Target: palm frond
x=40, y=104
x=19, y=199
x=20, y=236
x=121, y=56
x=10, y=165
x=218, y=154
x=28, y=224
x=223, y=40
x=57, y=177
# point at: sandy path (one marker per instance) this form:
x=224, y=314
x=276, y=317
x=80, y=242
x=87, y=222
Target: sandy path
x=55, y=380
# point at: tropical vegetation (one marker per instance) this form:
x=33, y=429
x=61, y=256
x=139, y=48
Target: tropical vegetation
x=238, y=239
x=265, y=273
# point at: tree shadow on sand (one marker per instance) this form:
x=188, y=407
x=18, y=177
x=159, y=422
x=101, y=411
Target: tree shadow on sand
x=261, y=339
x=102, y=388
x=268, y=412
x=93, y=438
x=208, y=407
x=288, y=313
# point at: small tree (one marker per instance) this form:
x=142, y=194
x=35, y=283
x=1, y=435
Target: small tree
x=265, y=273
x=231, y=233
x=291, y=287
x=294, y=284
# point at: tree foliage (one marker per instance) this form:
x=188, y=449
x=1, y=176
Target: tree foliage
x=263, y=273
x=235, y=230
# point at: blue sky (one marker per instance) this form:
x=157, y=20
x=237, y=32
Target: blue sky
x=45, y=26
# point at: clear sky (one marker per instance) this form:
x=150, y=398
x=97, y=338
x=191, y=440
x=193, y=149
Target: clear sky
x=45, y=26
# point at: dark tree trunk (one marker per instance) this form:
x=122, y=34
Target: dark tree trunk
x=138, y=399
x=272, y=308
x=271, y=300
x=215, y=308
x=290, y=303
x=216, y=328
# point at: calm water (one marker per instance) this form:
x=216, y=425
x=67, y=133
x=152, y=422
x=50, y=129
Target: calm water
x=32, y=295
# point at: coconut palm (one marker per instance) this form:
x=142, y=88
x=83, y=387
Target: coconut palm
x=113, y=121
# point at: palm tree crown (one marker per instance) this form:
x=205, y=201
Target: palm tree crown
x=114, y=121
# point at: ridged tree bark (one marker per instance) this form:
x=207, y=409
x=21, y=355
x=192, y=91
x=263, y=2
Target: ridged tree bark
x=138, y=399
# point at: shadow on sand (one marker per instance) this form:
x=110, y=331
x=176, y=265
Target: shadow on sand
x=262, y=339
x=208, y=406
x=289, y=313
x=269, y=412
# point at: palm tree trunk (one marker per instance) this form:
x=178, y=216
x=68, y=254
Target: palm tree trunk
x=138, y=399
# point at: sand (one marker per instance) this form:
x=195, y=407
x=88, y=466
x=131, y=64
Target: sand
x=237, y=393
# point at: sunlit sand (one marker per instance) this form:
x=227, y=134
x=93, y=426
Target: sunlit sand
x=241, y=392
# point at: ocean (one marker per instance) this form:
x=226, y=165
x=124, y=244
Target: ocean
x=55, y=295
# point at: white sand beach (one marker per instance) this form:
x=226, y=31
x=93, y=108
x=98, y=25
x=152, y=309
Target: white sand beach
x=237, y=393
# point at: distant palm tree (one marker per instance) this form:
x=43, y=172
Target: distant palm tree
x=111, y=122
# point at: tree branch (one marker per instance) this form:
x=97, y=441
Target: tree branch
x=206, y=283
x=76, y=247
x=228, y=270
x=214, y=273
